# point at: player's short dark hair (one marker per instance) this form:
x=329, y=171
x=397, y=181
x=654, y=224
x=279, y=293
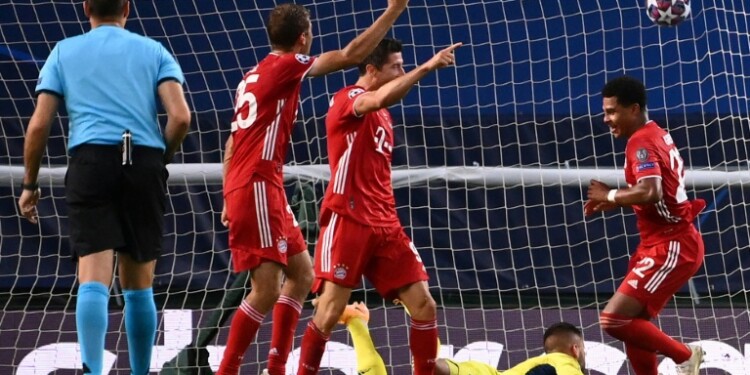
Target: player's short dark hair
x=106, y=8
x=286, y=23
x=379, y=56
x=627, y=90
x=560, y=329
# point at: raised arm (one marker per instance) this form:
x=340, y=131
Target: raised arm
x=393, y=91
x=361, y=46
x=178, y=117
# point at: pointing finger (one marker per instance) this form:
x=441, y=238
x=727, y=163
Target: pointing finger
x=453, y=47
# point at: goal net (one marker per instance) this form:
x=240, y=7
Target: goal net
x=492, y=160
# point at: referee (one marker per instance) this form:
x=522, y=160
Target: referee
x=115, y=186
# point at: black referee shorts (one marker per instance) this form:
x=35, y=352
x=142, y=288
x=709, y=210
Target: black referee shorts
x=115, y=206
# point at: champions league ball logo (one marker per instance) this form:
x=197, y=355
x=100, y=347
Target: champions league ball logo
x=303, y=59
x=668, y=12
x=355, y=92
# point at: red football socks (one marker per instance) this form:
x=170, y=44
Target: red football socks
x=242, y=332
x=643, y=361
x=285, y=317
x=643, y=334
x=423, y=342
x=313, y=347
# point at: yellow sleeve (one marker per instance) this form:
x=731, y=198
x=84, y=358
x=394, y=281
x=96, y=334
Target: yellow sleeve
x=525, y=366
x=563, y=364
x=470, y=368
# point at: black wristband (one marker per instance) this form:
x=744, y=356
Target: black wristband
x=32, y=187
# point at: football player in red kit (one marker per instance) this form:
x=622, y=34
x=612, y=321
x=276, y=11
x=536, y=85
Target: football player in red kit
x=360, y=230
x=263, y=234
x=671, y=249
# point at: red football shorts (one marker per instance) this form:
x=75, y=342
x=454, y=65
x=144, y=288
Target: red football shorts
x=262, y=227
x=347, y=250
x=657, y=272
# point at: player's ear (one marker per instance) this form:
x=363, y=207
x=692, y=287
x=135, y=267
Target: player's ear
x=371, y=69
x=86, y=9
x=126, y=10
x=575, y=350
x=636, y=108
x=302, y=39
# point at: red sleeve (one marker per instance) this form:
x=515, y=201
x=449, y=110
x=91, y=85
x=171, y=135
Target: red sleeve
x=341, y=112
x=347, y=109
x=292, y=68
x=643, y=158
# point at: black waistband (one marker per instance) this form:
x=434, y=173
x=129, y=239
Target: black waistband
x=115, y=149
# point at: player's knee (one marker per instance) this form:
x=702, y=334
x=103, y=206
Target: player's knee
x=613, y=323
x=264, y=297
x=304, y=279
x=327, y=314
x=424, y=309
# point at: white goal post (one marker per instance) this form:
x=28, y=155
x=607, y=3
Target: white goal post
x=211, y=174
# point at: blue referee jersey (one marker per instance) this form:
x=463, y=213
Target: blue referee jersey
x=108, y=79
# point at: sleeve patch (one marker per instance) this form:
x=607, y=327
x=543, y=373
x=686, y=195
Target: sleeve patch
x=645, y=166
x=303, y=59
x=355, y=92
x=641, y=154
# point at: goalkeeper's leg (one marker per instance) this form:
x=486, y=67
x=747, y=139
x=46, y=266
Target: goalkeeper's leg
x=369, y=361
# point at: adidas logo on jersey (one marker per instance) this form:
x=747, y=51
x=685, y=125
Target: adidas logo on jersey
x=633, y=283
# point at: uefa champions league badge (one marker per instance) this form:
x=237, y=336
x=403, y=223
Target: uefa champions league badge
x=355, y=92
x=641, y=154
x=339, y=272
x=281, y=245
x=303, y=59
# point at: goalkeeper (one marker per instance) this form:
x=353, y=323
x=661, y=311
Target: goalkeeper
x=564, y=352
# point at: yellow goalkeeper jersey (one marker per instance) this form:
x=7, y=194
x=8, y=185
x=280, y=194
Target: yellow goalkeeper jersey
x=562, y=363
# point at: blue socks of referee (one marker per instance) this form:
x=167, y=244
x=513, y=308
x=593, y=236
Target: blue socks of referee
x=92, y=320
x=140, y=326
x=91, y=324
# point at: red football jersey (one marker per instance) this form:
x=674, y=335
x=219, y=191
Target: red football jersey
x=266, y=107
x=650, y=152
x=359, y=152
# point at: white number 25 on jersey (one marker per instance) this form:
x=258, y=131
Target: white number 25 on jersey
x=245, y=98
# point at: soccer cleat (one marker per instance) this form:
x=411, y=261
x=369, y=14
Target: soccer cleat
x=693, y=364
x=355, y=310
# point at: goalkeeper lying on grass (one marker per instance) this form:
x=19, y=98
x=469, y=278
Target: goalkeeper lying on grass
x=563, y=348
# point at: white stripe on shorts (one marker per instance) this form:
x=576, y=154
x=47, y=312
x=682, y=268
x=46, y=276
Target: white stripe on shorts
x=261, y=211
x=325, y=260
x=672, y=256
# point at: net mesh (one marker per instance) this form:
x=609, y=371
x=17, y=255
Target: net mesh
x=506, y=256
